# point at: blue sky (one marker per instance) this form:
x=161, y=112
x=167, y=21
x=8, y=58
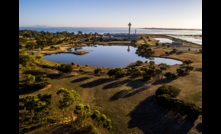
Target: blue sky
x=111, y=13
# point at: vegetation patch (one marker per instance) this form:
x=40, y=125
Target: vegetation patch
x=82, y=52
x=165, y=96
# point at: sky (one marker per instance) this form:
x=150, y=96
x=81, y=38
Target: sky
x=111, y=13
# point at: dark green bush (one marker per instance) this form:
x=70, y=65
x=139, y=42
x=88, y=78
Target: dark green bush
x=168, y=89
x=170, y=75
x=97, y=71
x=65, y=68
x=165, y=96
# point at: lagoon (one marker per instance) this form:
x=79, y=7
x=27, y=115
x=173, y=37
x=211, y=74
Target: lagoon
x=110, y=56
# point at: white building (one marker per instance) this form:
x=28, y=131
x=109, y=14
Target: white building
x=120, y=36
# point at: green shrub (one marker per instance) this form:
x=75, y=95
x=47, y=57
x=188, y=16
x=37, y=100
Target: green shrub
x=90, y=129
x=180, y=71
x=165, y=96
x=136, y=72
x=146, y=77
x=117, y=72
x=97, y=71
x=73, y=63
x=168, y=89
x=170, y=75
x=65, y=68
x=187, y=62
x=139, y=62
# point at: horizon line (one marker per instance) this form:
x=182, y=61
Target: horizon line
x=41, y=26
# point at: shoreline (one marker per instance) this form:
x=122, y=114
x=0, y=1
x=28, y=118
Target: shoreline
x=64, y=47
x=173, y=29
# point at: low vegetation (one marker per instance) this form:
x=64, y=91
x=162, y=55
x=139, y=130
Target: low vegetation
x=166, y=97
x=34, y=112
x=143, y=97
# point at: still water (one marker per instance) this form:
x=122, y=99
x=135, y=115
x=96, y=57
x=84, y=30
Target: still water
x=102, y=30
x=164, y=40
x=111, y=56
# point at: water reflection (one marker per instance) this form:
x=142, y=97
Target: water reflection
x=110, y=56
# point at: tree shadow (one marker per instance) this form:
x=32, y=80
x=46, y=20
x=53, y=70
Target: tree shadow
x=27, y=89
x=68, y=76
x=151, y=119
x=54, y=76
x=34, y=72
x=118, y=95
x=96, y=82
x=133, y=92
x=116, y=84
x=162, y=81
x=80, y=79
x=183, y=75
x=136, y=85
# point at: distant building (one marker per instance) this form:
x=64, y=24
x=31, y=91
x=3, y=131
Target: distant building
x=120, y=36
x=177, y=43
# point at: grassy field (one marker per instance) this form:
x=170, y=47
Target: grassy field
x=129, y=102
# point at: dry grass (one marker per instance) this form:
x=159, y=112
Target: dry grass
x=130, y=102
x=127, y=101
x=187, y=55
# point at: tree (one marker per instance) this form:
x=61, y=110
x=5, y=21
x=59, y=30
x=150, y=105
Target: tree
x=65, y=68
x=117, y=72
x=101, y=119
x=151, y=63
x=146, y=77
x=168, y=89
x=170, y=75
x=139, y=62
x=188, y=69
x=25, y=59
x=136, y=72
x=97, y=71
x=173, y=51
x=158, y=73
x=80, y=32
x=36, y=106
x=83, y=112
x=187, y=62
x=163, y=66
x=30, y=79
x=148, y=73
x=144, y=51
x=43, y=105
x=44, y=78
x=180, y=71
x=67, y=98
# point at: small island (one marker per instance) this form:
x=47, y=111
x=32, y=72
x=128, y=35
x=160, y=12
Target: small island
x=81, y=52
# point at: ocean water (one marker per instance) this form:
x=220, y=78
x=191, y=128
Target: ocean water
x=113, y=30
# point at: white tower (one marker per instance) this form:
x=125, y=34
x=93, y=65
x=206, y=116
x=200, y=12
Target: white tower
x=129, y=27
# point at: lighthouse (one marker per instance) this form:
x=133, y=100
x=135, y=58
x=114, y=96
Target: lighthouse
x=129, y=27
